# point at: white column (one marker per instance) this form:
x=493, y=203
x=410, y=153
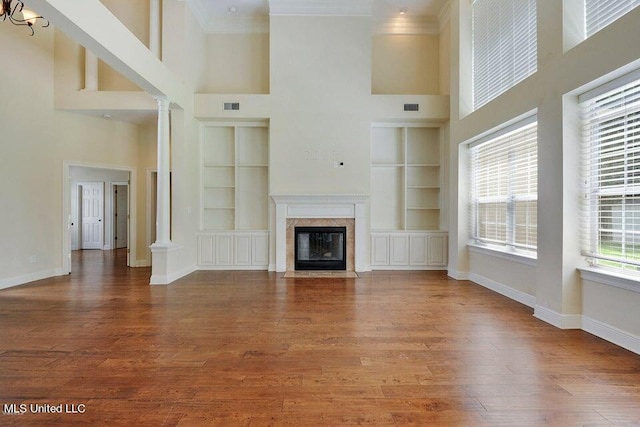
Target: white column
x=90, y=70
x=154, y=27
x=163, y=193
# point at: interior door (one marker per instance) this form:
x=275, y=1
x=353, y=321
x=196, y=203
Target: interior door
x=121, y=200
x=92, y=215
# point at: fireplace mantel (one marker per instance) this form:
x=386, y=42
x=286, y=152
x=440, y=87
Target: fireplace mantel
x=320, y=206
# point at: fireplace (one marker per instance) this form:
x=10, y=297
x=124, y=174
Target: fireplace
x=321, y=210
x=320, y=248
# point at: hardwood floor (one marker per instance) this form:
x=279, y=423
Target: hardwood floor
x=252, y=348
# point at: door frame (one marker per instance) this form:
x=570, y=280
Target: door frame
x=66, y=210
x=112, y=194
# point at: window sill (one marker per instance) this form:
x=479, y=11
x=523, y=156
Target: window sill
x=499, y=253
x=612, y=278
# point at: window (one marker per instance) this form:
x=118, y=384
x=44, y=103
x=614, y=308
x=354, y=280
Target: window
x=600, y=13
x=611, y=146
x=504, y=46
x=504, y=188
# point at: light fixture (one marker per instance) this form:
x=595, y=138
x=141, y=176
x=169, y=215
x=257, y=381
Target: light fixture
x=18, y=15
x=403, y=11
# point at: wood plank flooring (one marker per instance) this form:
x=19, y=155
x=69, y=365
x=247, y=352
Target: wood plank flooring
x=253, y=348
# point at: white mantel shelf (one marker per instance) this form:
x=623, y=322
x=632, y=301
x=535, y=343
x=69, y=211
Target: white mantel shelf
x=321, y=206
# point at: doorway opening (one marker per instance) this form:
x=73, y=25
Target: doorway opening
x=99, y=212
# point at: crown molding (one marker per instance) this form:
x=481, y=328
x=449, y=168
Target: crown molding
x=321, y=7
x=407, y=26
x=444, y=16
x=237, y=25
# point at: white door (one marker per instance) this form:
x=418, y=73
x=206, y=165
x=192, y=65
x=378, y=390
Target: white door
x=121, y=199
x=92, y=215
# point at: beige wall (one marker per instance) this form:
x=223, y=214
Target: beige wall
x=236, y=63
x=137, y=21
x=36, y=142
x=405, y=64
x=320, y=94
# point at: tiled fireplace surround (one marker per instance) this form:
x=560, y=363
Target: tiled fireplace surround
x=338, y=210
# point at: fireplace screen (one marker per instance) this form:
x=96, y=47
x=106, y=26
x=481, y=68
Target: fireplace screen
x=320, y=248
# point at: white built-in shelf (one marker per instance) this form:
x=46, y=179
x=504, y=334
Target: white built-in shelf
x=405, y=177
x=235, y=162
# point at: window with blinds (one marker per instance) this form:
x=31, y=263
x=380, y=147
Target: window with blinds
x=611, y=166
x=504, y=188
x=600, y=13
x=504, y=46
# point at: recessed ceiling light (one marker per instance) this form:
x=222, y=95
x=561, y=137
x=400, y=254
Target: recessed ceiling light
x=232, y=9
x=403, y=11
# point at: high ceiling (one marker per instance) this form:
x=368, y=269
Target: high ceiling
x=214, y=15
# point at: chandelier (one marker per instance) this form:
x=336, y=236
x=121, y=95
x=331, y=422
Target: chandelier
x=18, y=15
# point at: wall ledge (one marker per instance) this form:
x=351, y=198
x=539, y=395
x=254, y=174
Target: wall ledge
x=611, y=278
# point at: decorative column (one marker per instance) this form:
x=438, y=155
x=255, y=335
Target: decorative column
x=163, y=250
x=90, y=70
x=163, y=236
x=154, y=27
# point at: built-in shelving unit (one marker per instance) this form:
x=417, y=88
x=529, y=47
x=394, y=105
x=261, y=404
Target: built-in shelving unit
x=406, y=199
x=405, y=178
x=235, y=166
x=235, y=196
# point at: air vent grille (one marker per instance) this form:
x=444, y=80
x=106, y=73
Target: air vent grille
x=235, y=106
x=411, y=107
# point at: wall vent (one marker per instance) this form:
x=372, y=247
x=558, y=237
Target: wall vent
x=411, y=107
x=235, y=106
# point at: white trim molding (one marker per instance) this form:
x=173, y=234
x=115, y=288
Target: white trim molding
x=160, y=279
x=321, y=7
x=458, y=275
x=497, y=253
x=321, y=206
x=30, y=277
x=562, y=321
x=612, y=334
x=514, y=294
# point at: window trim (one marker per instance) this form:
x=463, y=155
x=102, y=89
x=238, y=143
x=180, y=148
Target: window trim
x=591, y=191
x=509, y=247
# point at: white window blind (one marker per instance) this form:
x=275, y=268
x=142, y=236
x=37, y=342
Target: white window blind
x=600, y=13
x=611, y=170
x=504, y=46
x=504, y=188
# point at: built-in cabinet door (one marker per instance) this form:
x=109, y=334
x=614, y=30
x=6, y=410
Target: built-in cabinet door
x=437, y=250
x=224, y=253
x=399, y=249
x=206, y=255
x=260, y=250
x=242, y=246
x=418, y=249
x=380, y=252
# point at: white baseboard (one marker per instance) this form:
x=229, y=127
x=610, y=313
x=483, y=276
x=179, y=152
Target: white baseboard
x=458, y=275
x=272, y=267
x=405, y=268
x=106, y=248
x=514, y=294
x=232, y=267
x=562, y=321
x=142, y=263
x=166, y=279
x=612, y=334
x=30, y=277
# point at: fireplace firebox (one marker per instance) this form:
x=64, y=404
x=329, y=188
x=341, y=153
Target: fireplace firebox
x=320, y=248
